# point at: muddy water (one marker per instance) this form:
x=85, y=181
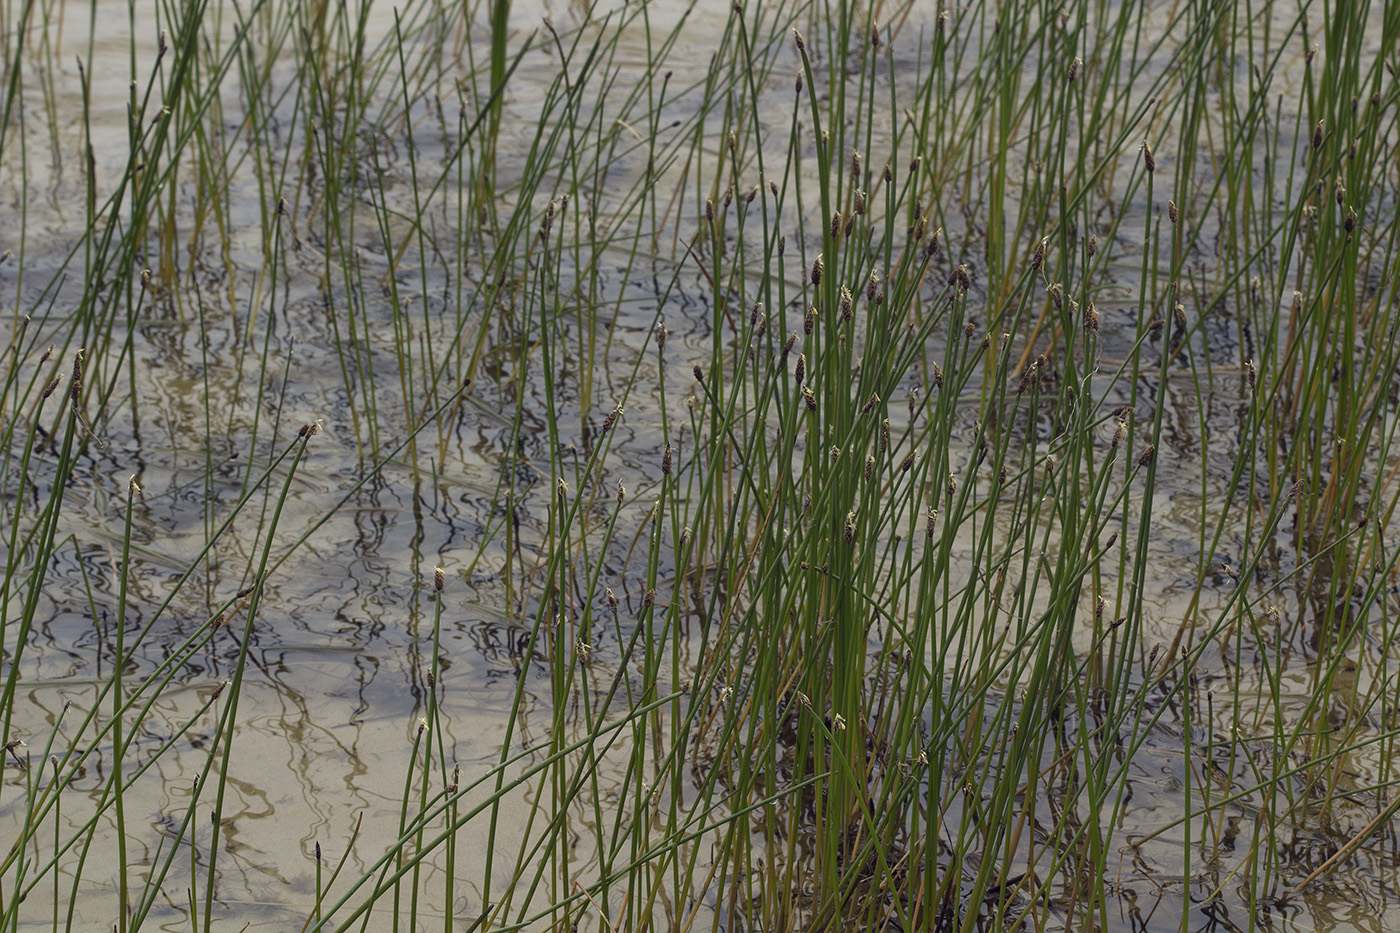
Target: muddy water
x=241, y=352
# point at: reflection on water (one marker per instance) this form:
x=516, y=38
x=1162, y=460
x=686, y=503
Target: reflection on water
x=251, y=336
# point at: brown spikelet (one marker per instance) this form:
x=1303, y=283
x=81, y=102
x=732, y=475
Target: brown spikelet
x=869, y=465
x=817, y=267
x=439, y=578
x=1093, y=246
x=661, y=334
x=937, y=375
x=847, y=304
x=929, y=523
x=698, y=373
x=1146, y=457
x=800, y=372
x=870, y=403
x=960, y=279
x=1172, y=214
x=872, y=287
x=787, y=347
x=797, y=38
x=1074, y=67
x=908, y=462
x=1091, y=317
x=75, y=381
x=1317, y=136
x=1147, y=160
x=809, y=320
x=666, y=461
x=884, y=436
x=809, y=398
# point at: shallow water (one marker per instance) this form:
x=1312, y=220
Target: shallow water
x=243, y=342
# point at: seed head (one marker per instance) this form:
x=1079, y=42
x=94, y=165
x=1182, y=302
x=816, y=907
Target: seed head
x=908, y=462
x=797, y=38
x=1172, y=214
x=612, y=599
x=817, y=267
x=562, y=488
x=932, y=246
x=960, y=279
x=1147, y=160
x=787, y=347
x=666, y=461
x=809, y=320
x=855, y=165
x=1091, y=317
x=809, y=398
x=884, y=436
x=621, y=492
x=850, y=529
x=1317, y=136
x=870, y=403
x=782, y=245
x=698, y=373
x=887, y=174
x=869, y=465
x=1146, y=457
x=661, y=334
x=611, y=419
x=1179, y=315
x=801, y=371
x=1093, y=246
x=860, y=203
x=1074, y=67
x=846, y=303
x=439, y=578
x=1038, y=256
x=937, y=375
x=929, y=522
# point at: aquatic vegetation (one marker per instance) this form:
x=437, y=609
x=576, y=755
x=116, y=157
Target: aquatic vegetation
x=769, y=466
